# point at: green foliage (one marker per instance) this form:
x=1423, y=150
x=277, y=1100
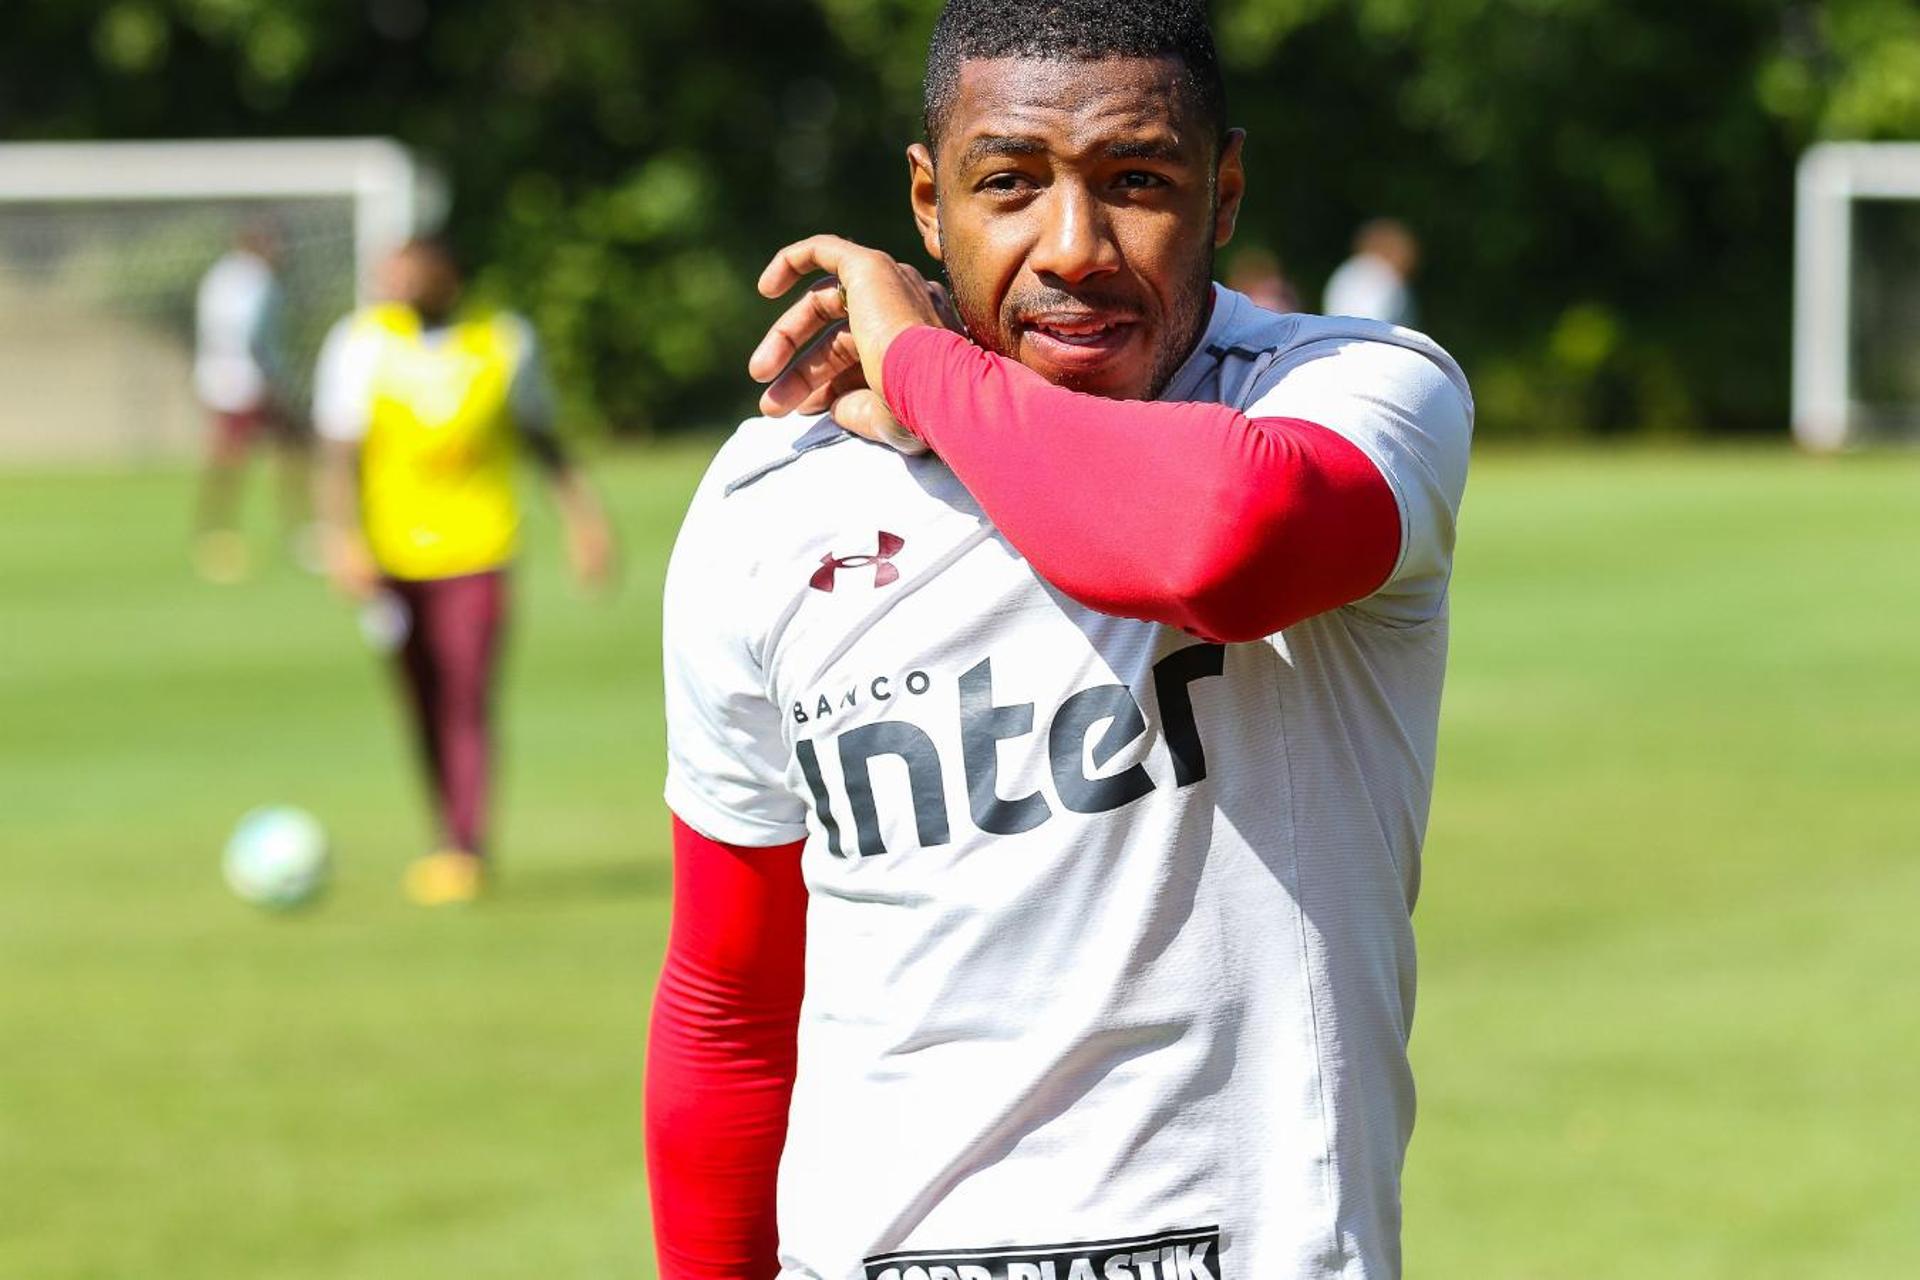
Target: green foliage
x=1602, y=186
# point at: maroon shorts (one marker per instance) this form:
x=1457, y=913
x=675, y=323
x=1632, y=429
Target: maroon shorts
x=447, y=662
x=236, y=430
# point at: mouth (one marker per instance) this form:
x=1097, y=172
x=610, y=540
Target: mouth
x=1077, y=341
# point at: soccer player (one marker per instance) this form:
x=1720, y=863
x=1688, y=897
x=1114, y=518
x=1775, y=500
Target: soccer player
x=238, y=361
x=424, y=407
x=1376, y=283
x=1051, y=728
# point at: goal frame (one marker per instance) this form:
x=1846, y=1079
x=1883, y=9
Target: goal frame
x=394, y=196
x=1831, y=177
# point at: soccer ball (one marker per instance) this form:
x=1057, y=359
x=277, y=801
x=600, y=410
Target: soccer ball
x=277, y=858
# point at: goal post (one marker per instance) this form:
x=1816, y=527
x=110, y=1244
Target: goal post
x=1856, y=304
x=102, y=248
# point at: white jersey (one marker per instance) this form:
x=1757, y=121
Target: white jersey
x=1369, y=288
x=236, y=352
x=1109, y=963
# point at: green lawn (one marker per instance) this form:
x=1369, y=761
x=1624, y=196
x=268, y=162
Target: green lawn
x=1667, y=1024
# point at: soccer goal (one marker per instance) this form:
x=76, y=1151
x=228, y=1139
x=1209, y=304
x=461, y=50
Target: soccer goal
x=102, y=248
x=1856, y=306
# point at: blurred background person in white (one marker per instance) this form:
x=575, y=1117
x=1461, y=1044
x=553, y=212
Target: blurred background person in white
x=239, y=363
x=1376, y=282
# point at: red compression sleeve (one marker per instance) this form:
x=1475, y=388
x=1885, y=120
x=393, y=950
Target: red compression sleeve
x=1194, y=515
x=720, y=1059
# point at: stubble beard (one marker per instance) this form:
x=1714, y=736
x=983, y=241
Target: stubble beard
x=1187, y=319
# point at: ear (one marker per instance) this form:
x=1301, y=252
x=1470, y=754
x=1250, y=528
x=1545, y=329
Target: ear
x=1229, y=185
x=924, y=192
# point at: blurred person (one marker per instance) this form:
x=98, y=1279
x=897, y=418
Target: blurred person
x=423, y=407
x=1051, y=714
x=1376, y=282
x=1257, y=274
x=239, y=363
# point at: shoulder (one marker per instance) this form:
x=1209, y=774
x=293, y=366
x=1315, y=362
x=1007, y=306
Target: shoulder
x=760, y=463
x=1344, y=272
x=730, y=493
x=774, y=487
x=1400, y=399
x=743, y=513
x=1301, y=352
x=1368, y=351
x=1394, y=392
x=357, y=337
x=1243, y=328
x=231, y=269
x=512, y=328
x=507, y=333
x=377, y=321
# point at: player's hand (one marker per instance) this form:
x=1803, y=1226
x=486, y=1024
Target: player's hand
x=831, y=344
x=591, y=551
x=350, y=566
x=853, y=378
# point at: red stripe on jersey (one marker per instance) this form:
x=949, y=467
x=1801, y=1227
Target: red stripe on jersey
x=1193, y=515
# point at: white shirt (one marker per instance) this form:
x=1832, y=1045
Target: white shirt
x=237, y=340
x=1108, y=937
x=1369, y=288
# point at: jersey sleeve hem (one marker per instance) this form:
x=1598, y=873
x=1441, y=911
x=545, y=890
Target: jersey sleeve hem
x=728, y=826
x=1399, y=502
x=1402, y=402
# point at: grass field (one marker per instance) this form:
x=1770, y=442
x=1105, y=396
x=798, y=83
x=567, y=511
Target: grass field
x=1668, y=1025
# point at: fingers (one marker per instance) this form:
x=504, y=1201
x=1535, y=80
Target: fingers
x=872, y=299
x=801, y=259
x=937, y=294
x=865, y=414
x=944, y=308
x=811, y=371
x=816, y=309
x=844, y=383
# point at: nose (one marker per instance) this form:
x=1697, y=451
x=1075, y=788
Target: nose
x=1076, y=241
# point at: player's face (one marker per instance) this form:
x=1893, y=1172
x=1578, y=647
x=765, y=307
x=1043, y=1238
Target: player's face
x=1076, y=206
x=421, y=281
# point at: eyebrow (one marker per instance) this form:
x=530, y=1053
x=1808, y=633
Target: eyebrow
x=1145, y=149
x=992, y=145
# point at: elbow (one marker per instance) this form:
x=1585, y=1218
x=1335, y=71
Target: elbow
x=1229, y=583
x=1282, y=551
x=1233, y=606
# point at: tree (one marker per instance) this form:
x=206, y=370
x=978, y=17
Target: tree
x=1603, y=186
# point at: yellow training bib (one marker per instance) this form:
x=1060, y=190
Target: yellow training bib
x=437, y=467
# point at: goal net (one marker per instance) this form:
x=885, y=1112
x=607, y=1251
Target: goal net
x=102, y=251
x=1856, y=322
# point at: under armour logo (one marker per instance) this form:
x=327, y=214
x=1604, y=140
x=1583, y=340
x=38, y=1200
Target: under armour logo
x=881, y=560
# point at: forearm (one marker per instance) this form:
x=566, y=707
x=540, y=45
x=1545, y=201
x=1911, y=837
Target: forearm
x=336, y=498
x=574, y=495
x=590, y=541
x=552, y=456
x=1190, y=514
x=720, y=1061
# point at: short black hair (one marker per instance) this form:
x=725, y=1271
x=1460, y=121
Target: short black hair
x=1077, y=30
